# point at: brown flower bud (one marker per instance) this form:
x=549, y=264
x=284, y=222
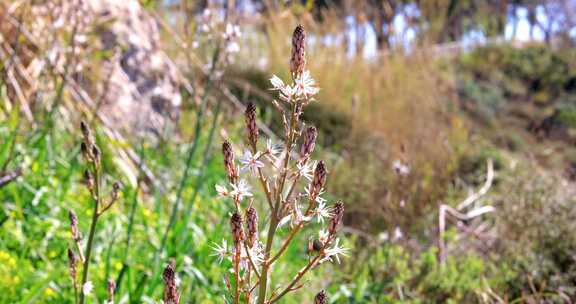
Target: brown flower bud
x=236, y=226
x=85, y=130
x=321, y=298
x=309, y=142
x=96, y=154
x=115, y=191
x=170, y=291
x=86, y=152
x=251, y=126
x=337, y=214
x=88, y=180
x=318, y=181
x=252, y=224
x=297, y=59
x=74, y=225
x=72, y=261
x=231, y=169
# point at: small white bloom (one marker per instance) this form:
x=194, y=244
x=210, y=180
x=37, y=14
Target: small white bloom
x=87, y=287
x=222, y=190
x=256, y=254
x=401, y=168
x=241, y=190
x=306, y=170
x=398, y=233
x=271, y=148
x=250, y=162
x=286, y=91
x=277, y=83
x=323, y=236
x=319, y=199
x=321, y=212
x=232, y=47
x=220, y=251
x=335, y=251
x=305, y=85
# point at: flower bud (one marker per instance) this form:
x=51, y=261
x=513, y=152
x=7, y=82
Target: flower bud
x=231, y=170
x=115, y=191
x=309, y=142
x=88, y=180
x=73, y=225
x=321, y=298
x=236, y=226
x=170, y=291
x=97, y=155
x=252, y=224
x=251, y=126
x=297, y=59
x=318, y=181
x=86, y=152
x=85, y=130
x=337, y=214
x=72, y=261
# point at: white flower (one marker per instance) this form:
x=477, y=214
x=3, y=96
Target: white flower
x=286, y=91
x=306, y=170
x=335, y=251
x=222, y=190
x=295, y=217
x=322, y=212
x=305, y=85
x=220, y=251
x=231, y=31
x=250, y=162
x=277, y=83
x=323, y=236
x=241, y=190
x=87, y=287
x=232, y=47
x=319, y=199
x=256, y=254
x=398, y=233
x=400, y=168
x=271, y=148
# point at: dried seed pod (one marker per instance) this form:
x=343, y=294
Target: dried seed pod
x=74, y=225
x=236, y=226
x=337, y=214
x=231, y=169
x=251, y=126
x=170, y=291
x=321, y=298
x=318, y=181
x=298, y=57
x=252, y=224
x=309, y=142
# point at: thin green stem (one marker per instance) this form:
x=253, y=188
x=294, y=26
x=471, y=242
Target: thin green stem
x=91, y=234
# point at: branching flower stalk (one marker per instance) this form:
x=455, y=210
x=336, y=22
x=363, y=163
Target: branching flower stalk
x=281, y=175
x=93, y=181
